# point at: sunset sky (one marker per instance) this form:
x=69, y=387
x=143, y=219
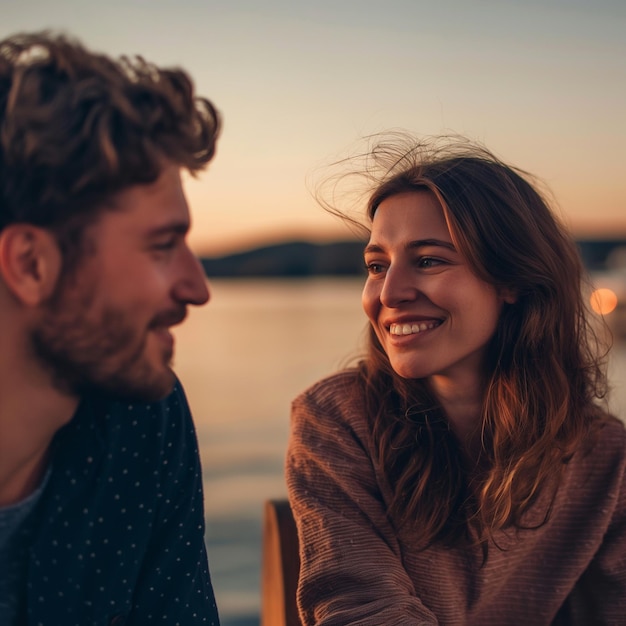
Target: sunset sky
x=542, y=83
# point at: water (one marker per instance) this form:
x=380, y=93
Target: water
x=242, y=359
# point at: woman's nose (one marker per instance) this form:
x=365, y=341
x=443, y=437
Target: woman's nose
x=399, y=286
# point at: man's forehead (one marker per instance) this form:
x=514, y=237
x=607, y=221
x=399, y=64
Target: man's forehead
x=150, y=209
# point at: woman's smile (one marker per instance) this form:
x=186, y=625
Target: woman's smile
x=413, y=328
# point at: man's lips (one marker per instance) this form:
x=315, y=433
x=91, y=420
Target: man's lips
x=167, y=319
x=162, y=323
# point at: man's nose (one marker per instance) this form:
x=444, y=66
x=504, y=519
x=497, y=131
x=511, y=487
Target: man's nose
x=192, y=288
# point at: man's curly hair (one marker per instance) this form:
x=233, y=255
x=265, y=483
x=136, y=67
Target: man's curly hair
x=76, y=127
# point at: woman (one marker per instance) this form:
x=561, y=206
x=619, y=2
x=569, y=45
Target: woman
x=464, y=472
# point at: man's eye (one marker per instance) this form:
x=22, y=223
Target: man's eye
x=166, y=244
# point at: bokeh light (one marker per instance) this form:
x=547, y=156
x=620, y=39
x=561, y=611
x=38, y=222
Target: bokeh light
x=603, y=301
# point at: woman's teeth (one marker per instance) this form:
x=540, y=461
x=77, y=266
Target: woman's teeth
x=412, y=329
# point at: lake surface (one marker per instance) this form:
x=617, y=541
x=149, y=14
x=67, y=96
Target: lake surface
x=242, y=359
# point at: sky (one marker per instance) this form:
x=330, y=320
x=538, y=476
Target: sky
x=542, y=83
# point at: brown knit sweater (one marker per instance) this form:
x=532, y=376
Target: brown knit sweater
x=357, y=570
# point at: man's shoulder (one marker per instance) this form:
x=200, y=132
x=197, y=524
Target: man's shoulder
x=115, y=426
x=174, y=401
x=114, y=413
x=110, y=440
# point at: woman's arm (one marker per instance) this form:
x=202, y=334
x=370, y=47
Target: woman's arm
x=351, y=566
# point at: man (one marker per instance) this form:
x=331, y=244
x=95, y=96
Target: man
x=101, y=510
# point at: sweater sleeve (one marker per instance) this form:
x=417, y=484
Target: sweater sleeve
x=351, y=567
x=599, y=597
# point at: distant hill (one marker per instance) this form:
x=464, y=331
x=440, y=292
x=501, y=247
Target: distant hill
x=602, y=254
x=301, y=259
x=293, y=259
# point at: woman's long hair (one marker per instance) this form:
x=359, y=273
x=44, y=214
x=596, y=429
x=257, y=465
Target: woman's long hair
x=545, y=371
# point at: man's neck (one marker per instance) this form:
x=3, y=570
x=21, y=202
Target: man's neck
x=31, y=412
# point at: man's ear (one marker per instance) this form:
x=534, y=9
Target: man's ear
x=30, y=262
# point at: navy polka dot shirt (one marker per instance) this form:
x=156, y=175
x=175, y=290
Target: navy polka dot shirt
x=118, y=535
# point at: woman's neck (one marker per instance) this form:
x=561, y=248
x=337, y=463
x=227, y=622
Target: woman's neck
x=463, y=407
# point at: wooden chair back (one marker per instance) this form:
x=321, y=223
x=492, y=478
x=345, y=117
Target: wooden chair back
x=281, y=566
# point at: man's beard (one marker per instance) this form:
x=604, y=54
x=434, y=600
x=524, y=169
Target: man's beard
x=86, y=351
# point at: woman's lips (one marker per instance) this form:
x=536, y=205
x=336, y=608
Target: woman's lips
x=412, y=328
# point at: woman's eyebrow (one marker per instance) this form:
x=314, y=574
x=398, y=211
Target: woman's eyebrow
x=418, y=243
x=422, y=243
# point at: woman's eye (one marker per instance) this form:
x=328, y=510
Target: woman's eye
x=427, y=261
x=373, y=268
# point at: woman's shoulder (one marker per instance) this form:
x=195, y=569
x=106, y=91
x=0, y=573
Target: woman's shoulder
x=596, y=475
x=611, y=436
x=339, y=388
x=602, y=458
x=335, y=399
